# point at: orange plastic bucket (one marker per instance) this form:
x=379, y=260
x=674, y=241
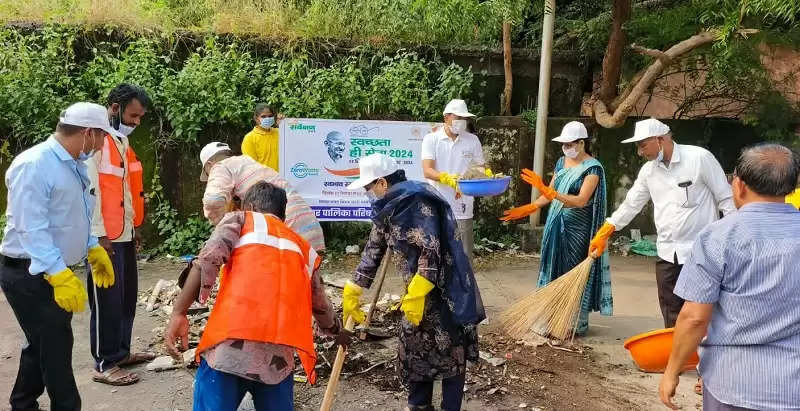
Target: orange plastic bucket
x=650, y=351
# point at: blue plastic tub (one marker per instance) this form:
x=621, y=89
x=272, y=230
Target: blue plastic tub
x=485, y=187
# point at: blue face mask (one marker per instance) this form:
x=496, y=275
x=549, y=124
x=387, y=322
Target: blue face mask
x=371, y=197
x=267, y=122
x=660, y=156
x=83, y=156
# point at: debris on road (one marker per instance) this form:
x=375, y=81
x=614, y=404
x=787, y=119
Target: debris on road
x=163, y=363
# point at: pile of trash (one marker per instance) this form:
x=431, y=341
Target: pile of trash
x=372, y=349
x=158, y=301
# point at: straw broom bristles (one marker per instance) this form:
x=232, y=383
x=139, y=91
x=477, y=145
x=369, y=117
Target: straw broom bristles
x=552, y=309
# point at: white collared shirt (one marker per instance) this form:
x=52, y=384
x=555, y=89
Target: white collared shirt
x=679, y=214
x=453, y=156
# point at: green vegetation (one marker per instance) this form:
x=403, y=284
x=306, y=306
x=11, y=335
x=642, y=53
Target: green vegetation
x=441, y=22
x=213, y=83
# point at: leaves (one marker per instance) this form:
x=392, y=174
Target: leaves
x=217, y=84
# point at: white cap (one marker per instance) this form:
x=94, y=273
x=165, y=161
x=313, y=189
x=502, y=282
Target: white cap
x=574, y=130
x=373, y=167
x=457, y=107
x=207, y=152
x=88, y=115
x=646, y=129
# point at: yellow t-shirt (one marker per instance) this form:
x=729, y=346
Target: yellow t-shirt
x=794, y=198
x=262, y=145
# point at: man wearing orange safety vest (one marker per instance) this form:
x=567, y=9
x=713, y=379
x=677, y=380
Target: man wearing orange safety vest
x=117, y=182
x=262, y=314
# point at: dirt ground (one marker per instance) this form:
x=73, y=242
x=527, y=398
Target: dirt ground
x=601, y=377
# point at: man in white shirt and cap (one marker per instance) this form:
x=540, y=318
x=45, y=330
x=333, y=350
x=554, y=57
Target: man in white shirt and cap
x=447, y=153
x=688, y=188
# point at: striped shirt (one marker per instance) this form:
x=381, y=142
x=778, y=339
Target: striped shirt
x=235, y=175
x=748, y=266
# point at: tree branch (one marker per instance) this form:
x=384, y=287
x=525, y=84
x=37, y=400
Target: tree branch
x=656, y=54
x=645, y=79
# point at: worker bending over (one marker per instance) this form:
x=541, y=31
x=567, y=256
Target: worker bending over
x=262, y=314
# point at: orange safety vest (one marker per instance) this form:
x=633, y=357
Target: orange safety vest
x=111, y=173
x=265, y=294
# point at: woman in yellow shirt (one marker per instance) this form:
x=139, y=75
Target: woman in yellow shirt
x=261, y=144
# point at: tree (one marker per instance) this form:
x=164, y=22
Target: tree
x=724, y=23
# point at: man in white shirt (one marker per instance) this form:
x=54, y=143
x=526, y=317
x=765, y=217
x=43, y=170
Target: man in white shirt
x=688, y=188
x=447, y=153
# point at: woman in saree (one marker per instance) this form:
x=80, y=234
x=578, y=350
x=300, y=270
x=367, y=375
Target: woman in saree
x=577, y=198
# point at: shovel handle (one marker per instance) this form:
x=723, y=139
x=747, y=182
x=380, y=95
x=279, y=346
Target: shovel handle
x=381, y=276
x=330, y=390
x=333, y=381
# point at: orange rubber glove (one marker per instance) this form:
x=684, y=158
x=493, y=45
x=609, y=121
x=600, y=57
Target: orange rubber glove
x=533, y=179
x=519, y=212
x=600, y=240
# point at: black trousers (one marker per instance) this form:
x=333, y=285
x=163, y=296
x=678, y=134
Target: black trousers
x=113, y=309
x=666, y=277
x=420, y=395
x=46, y=360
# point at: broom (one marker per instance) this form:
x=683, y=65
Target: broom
x=552, y=309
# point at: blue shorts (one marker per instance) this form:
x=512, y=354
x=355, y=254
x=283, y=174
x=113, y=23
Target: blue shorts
x=219, y=391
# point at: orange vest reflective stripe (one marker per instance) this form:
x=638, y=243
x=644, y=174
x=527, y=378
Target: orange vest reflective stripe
x=265, y=294
x=111, y=173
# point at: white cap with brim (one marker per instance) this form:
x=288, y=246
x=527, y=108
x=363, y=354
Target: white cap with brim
x=89, y=115
x=457, y=107
x=572, y=131
x=209, y=151
x=646, y=129
x=373, y=167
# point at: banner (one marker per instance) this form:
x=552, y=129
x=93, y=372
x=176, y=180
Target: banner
x=319, y=158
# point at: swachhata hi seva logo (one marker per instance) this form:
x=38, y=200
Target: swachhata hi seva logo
x=301, y=170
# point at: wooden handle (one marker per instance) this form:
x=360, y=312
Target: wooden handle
x=330, y=391
x=381, y=276
x=333, y=381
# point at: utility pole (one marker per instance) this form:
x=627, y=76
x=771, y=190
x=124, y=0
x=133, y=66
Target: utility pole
x=542, y=100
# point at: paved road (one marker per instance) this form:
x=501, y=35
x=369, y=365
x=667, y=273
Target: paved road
x=635, y=310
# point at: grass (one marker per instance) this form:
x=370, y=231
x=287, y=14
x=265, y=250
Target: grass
x=364, y=21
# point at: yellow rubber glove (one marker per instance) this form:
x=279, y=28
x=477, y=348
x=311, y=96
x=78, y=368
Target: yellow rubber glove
x=488, y=172
x=449, y=180
x=413, y=304
x=600, y=240
x=102, y=270
x=794, y=198
x=68, y=290
x=351, y=307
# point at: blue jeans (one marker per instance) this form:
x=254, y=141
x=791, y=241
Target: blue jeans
x=219, y=391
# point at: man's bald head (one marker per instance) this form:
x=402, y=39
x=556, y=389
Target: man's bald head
x=770, y=170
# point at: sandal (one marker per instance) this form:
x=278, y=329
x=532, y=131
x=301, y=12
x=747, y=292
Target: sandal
x=115, y=376
x=136, y=358
x=698, y=388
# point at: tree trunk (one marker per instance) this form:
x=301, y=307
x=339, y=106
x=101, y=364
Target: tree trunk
x=645, y=79
x=612, y=60
x=505, y=108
